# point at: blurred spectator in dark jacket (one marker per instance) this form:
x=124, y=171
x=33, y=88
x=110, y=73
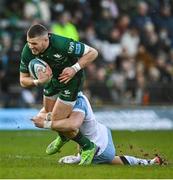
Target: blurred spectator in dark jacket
x=4, y=86
x=150, y=39
x=104, y=24
x=142, y=17
x=164, y=20
x=161, y=64
x=99, y=89
x=13, y=11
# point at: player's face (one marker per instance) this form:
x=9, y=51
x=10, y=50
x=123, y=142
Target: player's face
x=38, y=44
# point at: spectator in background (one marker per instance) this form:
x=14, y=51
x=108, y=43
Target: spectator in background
x=141, y=95
x=82, y=16
x=165, y=20
x=160, y=90
x=164, y=40
x=142, y=17
x=153, y=75
x=4, y=88
x=130, y=41
x=104, y=24
x=170, y=62
x=145, y=57
x=150, y=39
x=100, y=91
x=13, y=11
x=120, y=30
x=109, y=48
x=27, y=98
x=161, y=64
x=2, y=73
x=64, y=27
x=111, y=6
x=37, y=9
x=123, y=23
x=6, y=45
x=116, y=84
x=128, y=68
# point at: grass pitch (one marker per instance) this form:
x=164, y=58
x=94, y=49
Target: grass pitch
x=22, y=156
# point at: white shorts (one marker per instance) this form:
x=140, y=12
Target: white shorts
x=108, y=154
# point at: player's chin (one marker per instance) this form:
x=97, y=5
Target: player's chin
x=35, y=52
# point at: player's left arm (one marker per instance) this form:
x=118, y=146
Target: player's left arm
x=68, y=124
x=89, y=55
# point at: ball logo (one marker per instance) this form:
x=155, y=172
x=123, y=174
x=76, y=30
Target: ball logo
x=35, y=66
x=38, y=68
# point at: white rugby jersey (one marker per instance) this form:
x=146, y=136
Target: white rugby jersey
x=92, y=129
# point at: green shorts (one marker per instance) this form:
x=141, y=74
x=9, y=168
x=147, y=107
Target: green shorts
x=66, y=92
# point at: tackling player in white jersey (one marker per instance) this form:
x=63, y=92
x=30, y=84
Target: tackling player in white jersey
x=83, y=118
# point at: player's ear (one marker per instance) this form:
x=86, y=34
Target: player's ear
x=46, y=39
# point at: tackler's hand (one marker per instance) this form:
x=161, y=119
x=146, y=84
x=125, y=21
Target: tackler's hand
x=38, y=121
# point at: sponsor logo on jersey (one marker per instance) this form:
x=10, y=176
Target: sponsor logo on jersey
x=67, y=92
x=78, y=48
x=58, y=56
x=71, y=47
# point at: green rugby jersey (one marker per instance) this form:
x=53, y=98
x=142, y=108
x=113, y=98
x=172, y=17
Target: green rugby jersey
x=62, y=52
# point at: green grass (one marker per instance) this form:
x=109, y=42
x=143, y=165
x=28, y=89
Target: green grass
x=22, y=155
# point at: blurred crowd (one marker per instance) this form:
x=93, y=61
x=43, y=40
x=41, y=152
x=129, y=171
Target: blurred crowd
x=134, y=39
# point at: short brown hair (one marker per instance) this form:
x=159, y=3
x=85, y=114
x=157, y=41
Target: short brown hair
x=37, y=30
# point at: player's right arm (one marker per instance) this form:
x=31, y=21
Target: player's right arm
x=26, y=80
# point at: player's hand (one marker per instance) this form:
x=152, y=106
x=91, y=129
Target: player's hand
x=44, y=76
x=67, y=74
x=38, y=121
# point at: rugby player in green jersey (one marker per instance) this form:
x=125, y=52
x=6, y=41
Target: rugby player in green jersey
x=66, y=58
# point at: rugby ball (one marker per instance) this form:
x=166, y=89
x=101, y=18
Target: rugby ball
x=35, y=65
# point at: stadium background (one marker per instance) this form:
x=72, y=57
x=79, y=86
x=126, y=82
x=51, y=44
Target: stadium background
x=134, y=40
x=129, y=85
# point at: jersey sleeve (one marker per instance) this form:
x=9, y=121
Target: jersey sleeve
x=80, y=105
x=69, y=46
x=75, y=48
x=24, y=60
